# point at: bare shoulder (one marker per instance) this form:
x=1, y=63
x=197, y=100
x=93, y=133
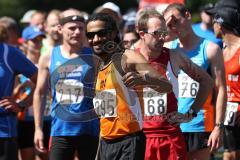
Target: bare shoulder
x=177, y=57
x=44, y=61
x=213, y=50
x=131, y=56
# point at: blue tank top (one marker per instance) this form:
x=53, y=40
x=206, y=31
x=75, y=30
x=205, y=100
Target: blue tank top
x=69, y=78
x=185, y=100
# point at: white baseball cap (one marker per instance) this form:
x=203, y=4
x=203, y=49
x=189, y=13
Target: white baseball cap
x=27, y=16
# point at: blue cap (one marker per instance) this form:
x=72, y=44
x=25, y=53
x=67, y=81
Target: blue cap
x=31, y=32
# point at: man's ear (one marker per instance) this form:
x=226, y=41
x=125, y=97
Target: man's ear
x=141, y=34
x=188, y=15
x=59, y=28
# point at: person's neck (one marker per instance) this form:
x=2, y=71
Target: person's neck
x=51, y=42
x=189, y=41
x=106, y=59
x=231, y=41
x=33, y=57
x=148, y=53
x=205, y=26
x=70, y=51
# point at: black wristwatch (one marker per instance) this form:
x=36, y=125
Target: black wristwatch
x=21, y=105
x=220, y=125
x=192, y=112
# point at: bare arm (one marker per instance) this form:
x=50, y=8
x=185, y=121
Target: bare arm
x=218, y=73
x=182, y=62
x=40, y=91
x=133, y=62
x=215, y=56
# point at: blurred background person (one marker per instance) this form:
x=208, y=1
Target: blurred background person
x=38, y=19
x=204, y=29
x=53, y=38
x=12, y=30
x=3, y=34
x=129, y=38
x=32, y=37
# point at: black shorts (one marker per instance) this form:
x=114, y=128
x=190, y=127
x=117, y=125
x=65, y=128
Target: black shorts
x=26, y=133
x=8, y=149
x=64, y=147
x=196, y=140
x=231, y=138
x=130, y=147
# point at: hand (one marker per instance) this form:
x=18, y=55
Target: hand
x=215, y=139
x=132, y=79
x=9, y=104
x=38, y=141
x=176, y=118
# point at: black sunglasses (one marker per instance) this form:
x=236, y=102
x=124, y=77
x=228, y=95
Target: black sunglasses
x=159, y=33
x=100, y=33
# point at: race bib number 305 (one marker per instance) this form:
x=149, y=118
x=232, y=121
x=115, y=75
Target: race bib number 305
x=231, y=113
x=105, y=103
x=188, y=88
x=154, y=103
x=69, y=91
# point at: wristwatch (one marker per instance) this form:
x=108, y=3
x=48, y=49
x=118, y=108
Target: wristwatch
x=21, y=105
x=220, y=125
x=192, y=112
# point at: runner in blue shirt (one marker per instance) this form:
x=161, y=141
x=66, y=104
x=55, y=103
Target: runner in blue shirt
x=12, y=63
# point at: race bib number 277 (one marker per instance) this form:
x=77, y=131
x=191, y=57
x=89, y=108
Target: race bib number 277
x=69, y=91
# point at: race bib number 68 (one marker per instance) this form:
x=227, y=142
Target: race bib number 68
x=154, y=103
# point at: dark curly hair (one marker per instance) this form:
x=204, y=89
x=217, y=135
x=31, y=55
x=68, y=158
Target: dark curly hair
x=110, y=23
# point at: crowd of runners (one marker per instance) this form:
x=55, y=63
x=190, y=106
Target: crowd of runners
x=148, y=85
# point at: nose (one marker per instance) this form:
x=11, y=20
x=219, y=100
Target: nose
x=78, y=30
x=95, y=38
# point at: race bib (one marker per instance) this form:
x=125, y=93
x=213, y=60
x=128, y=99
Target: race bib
x=231, y=114
x=154, y=103
x=188, y=87
x=105, y=103
x=69, y=91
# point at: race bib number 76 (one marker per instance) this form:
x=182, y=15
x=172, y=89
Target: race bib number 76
x=188, y=87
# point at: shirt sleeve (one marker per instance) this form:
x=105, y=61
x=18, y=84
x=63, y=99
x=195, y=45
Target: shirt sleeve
x=19, y=63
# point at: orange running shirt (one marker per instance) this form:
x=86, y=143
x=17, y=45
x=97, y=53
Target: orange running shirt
x=232, y=68
x=119, y=107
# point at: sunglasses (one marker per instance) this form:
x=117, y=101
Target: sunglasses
x=159, y=33
x=218, y=19
x=100, y=33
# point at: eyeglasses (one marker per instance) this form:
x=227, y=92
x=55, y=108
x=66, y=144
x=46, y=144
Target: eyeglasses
x=159, y=33
x=100, y=33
